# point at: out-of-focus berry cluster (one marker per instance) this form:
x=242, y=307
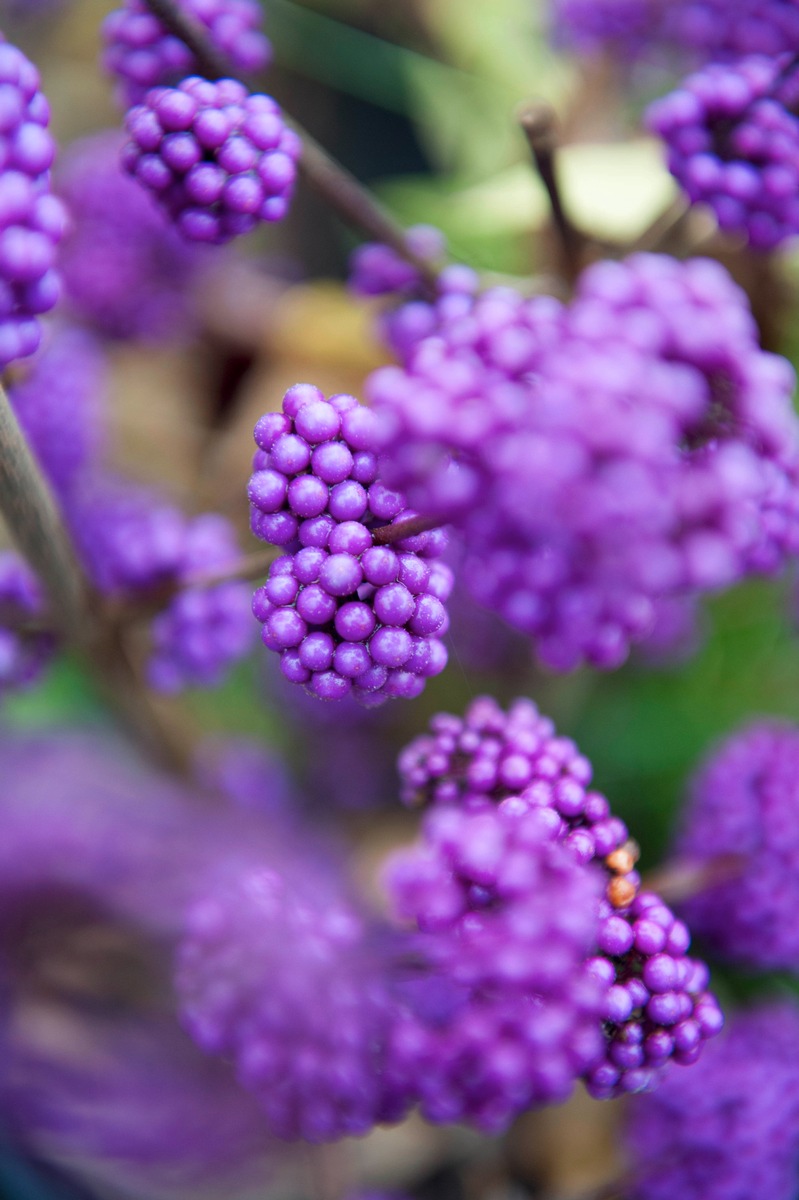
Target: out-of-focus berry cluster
x=345, y=613
x=599, y=458
x=142, y=54
x=730, y=1129
x=742, y=809
x=733, y=144
x=681, y=30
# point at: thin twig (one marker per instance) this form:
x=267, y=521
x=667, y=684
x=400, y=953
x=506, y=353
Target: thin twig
x=680, y=879
x=539, y=123
x=386, y=535
x=354, y=203
x=35, y=525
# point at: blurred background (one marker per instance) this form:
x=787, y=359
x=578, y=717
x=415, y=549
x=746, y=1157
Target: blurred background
x=417, y=98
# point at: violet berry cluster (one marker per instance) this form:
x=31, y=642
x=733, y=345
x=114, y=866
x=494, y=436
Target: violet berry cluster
x=656, y=1005
x=32, y=219
x=346, y=613
x=142, y=53
x=731, y=1129
x=217, y=158
x=126, y=270
x=135, y=543
x=734, y=145
x=599, y=458
x=665, y=30
x=278, y=977
x=501, y=1010
x=742, y=815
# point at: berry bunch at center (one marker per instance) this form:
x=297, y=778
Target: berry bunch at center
x=346, y=612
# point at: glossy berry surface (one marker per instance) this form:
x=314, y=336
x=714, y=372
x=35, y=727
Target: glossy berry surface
x=217, y=158
x=346, y=614
x=32, y=220
x=656, y=1006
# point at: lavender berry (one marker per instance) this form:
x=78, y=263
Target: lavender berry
x=656, y=1006
x=742, y=807
x=217, y=158
x=346, y=613
x=32, y=220
x=126, y=270
x=318, y=1070
x=59, y=405
x=503, y=1015
x=142, y=54
x=734, y=144
x=729, y=1129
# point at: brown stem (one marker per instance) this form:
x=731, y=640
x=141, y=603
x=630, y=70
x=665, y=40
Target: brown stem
x=680, y=879
x=35, y=525
x=539, y=124
x=126, y=609
x=385, y=535
x=354, y=203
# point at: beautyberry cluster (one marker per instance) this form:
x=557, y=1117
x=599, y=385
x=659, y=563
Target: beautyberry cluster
x=59, y=401
x=32, y=220
x=278, y=977
x=635, y=446
x=133, y=542
x=742, y=807
x=731, y=1129
x=502, y=1012
x=656, y=1006
x=345, y=612
x=125, y=268
x=734, y=145
x=142, y=54
x=693, y=30
x=217, y=158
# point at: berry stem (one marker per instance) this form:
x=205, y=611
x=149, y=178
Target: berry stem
x=539, y=123
x=680, y=879
x=385, y=535
x=354, y=203
x=35, y=525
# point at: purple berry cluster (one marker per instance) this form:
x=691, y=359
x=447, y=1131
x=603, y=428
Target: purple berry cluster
x=133, y=542
x=32, y=220
x=217, y=158
x=23, y=654
x=506, y=1014
x=59, y=403
x=657, y=1007
x=730, y=1130
x=635, y=446
x=692, y=30
x=732, y=144
x=279, y=978
x=142, y=54
x=347, y=614
x=204, y=629
x=742, y=807
x=125, y=268
x=378, y=270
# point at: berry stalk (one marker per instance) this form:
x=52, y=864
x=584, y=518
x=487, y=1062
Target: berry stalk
x=35, y=525
x=538, y=122
x=354, y=203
